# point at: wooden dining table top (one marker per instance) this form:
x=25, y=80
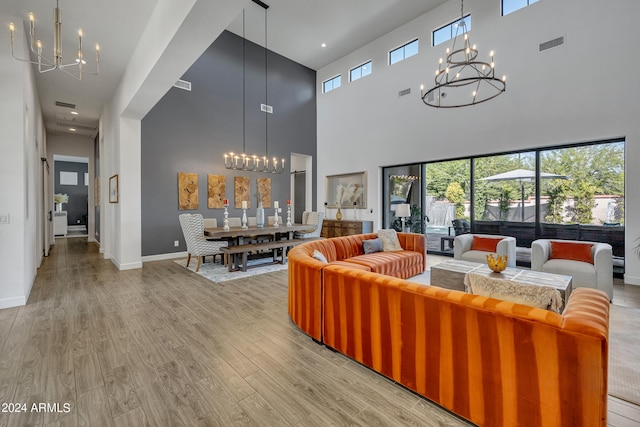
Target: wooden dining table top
x=252, y=230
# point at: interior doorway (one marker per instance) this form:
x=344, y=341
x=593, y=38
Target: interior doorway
x=71, y=187
x=301, y=185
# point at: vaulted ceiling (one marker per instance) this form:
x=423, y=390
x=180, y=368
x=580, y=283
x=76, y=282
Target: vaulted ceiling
x=296, y=30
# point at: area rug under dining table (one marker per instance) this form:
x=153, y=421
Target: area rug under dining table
x=217, y=272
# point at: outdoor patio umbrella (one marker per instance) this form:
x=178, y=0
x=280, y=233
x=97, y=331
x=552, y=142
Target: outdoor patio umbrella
x=521, y=175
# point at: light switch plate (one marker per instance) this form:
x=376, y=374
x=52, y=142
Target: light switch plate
x=4, y=218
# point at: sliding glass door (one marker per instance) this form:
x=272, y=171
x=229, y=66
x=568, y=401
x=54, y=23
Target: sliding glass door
x=569, y=192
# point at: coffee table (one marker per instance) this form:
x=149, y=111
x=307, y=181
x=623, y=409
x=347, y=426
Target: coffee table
x=450, y=275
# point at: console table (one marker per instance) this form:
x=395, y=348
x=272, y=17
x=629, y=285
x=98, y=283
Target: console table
x=335, y=228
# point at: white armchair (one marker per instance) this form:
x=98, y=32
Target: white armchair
x=193, y=230
x=598, y=275
x=311, y=218
x=463, y=244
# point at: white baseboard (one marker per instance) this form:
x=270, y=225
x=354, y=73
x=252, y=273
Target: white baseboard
x=162, y=257
x=631, y=280
x=125, y=266
x=130, y=266
x=13, y=302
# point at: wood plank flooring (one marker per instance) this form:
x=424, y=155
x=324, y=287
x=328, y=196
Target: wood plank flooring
x=161, y=346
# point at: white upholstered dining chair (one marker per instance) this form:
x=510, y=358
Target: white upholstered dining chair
x=193, y=230
x=311, y=218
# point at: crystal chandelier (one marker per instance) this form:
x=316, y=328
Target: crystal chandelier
x=463, y=80
x=45, y=64
x=242, y=161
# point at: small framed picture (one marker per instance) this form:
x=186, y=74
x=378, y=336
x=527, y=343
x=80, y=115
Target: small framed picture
x=113, y=189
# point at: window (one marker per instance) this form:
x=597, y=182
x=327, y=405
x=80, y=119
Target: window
x=403, y=52
x=571, y=192
x=331, y=84
x=360, y=71
x=509, y=6
x=449, y=31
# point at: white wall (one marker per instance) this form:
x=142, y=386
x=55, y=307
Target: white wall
x=582, y=91
x=22, y=143
x=176, y=35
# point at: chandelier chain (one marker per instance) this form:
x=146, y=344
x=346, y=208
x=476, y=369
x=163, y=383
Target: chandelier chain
x=253, y=163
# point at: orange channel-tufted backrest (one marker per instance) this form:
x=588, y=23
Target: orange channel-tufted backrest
x=493, y=362
x=350, y=246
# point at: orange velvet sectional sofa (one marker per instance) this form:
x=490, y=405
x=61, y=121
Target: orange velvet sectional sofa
x=495, y=363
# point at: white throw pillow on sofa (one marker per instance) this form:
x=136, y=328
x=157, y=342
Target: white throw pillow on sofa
x=390, y=242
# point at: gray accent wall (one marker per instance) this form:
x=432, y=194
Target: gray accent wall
x=77, y=212
x=190, y=132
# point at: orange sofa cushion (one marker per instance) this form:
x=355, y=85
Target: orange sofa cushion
x=402, y=264
x=351, y=265
x=571, y=251
x=486, y=244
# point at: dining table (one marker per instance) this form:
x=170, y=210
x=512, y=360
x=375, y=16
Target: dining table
x=236, y=235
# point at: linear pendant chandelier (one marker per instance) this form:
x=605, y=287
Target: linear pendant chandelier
x=244, y=161
x=45, y=64
x=463, y=80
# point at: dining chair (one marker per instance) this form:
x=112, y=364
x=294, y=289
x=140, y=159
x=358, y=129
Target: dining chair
x=193, y=231
x=210, y=222
x=311, y=218
x=235, y=222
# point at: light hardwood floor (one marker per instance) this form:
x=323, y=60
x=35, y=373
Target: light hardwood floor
x=163, y=346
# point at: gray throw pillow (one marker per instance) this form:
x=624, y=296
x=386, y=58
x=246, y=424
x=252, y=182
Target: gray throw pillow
x=372, y=246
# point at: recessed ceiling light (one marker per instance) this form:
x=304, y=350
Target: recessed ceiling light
x=323, y=45
x=75, y=113
x=72, y=129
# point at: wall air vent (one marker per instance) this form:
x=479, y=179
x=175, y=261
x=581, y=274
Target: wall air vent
x=183, y=84
x=65, y=105
x=404, y=92
x=552, y=43
x=266, y=108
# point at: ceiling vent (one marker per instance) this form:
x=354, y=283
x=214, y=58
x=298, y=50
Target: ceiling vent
x=65, y=105
x=404, y=92
x=183, y=84
x=552, y=43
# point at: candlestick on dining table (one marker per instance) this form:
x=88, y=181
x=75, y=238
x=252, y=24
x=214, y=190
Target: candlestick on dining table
x=244, y=215
x=288, y=213
x=225, y=225
x=275, y=216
